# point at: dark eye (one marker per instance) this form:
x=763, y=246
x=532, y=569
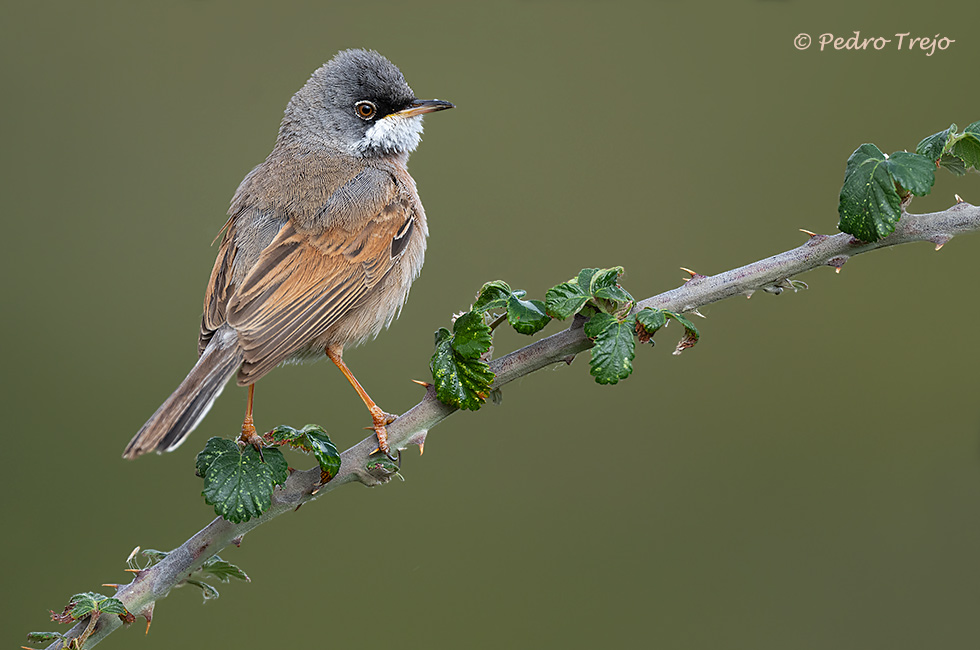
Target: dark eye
x=365, y=109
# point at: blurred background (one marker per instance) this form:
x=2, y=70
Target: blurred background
x=806, y=477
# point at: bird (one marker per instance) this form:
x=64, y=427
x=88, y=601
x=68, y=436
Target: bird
x=322, y=244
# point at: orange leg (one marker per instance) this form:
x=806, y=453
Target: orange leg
x=380, y=418
x=248, y=425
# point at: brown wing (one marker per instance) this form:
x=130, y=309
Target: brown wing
x=304, y=282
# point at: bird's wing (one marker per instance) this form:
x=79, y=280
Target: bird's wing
x=304, y=281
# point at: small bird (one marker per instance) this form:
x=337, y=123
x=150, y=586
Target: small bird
x=323, y=242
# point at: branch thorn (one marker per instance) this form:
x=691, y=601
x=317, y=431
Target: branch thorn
x=147, y=613
x=423, y=384
x=940, y=240
x=837, y=262
x=958, y=199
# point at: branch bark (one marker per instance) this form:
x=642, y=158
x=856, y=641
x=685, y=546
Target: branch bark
x=771, y=274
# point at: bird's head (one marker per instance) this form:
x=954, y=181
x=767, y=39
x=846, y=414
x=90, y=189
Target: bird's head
x=360, y=103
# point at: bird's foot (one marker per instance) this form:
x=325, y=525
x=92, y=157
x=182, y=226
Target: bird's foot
x=381, y=422
x=248, y=436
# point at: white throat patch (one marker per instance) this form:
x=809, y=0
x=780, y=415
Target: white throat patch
x=392, y=134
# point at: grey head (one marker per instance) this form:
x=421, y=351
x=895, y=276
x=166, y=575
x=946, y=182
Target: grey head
x=357, y=103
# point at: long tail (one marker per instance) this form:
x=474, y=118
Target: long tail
x=186, y=407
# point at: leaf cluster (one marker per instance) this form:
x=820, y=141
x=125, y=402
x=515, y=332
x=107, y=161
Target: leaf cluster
x=214, y=567
x=91, y=603
x=878, y=186
x=597, y=295
x=239, y=479
x=459, y=364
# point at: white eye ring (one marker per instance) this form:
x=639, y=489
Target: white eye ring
x=365, y=109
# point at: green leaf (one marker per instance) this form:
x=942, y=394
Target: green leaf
x=461, y=379
x=596, y=285
x=691, y=334
x=209, y=591
x=472, y=337
x=935, y=145
x=565, y=299
x=84, y=604
x=585, y=279
x=223, y=570
x=603, y=278
x=112, y=606
x=967, y=148
x=493, y=295
x=869, y=204
x=239, y=482
x=614, y=349
x=526, y=316
x=649, y=321
x=310, y=439
x=43, y=637
x=913, y=172
x=953, y=164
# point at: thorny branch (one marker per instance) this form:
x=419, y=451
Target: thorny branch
x=771, y=274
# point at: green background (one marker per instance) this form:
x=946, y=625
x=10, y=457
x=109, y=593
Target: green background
x=806, y=477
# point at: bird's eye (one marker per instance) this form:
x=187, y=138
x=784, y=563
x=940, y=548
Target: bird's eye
x=365, y=109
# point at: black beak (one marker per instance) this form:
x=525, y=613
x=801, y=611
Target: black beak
x=422, y=106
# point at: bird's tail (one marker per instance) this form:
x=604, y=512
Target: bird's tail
x=186, y=407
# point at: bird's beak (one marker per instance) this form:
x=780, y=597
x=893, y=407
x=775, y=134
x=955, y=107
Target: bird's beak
x=422, y=106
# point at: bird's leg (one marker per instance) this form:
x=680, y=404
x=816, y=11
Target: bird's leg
x=248, y=425
x=381, y=419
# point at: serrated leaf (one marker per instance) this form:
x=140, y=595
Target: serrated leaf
x=472, y=337
x=934, y=146
x=953, y=164
x=459, y=381
x=43, y=637
x=691, y=334
x=239, y=482
x=915, y=173
x=603, y=279
x=526, y=316
x=614, y=300
x=84, y=604
x=869, y=204
x=223, y=570
x=90, y=602
x=614, y=347
x=310, y=439
x=493, y=295
x=112, y=606
x=649, y=321
x=967, y=148
x=209, y=591
x=565, y=299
